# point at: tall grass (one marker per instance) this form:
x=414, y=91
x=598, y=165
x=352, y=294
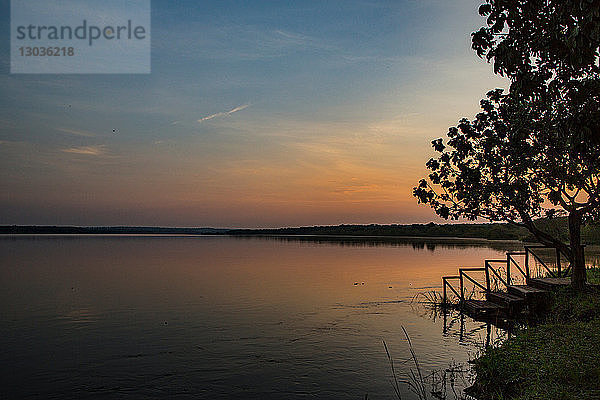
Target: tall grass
x=593, y=275
x=395, y=383
x=417, y=381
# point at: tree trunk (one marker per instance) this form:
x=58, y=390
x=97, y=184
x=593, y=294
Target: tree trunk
x=578, y=278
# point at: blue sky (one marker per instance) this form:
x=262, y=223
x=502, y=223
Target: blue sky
x=262, y=113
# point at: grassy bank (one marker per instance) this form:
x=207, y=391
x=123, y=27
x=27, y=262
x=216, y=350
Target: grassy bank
x=557, y=359
x=593, y=275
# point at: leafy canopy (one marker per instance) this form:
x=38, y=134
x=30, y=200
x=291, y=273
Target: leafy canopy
x=535, y=151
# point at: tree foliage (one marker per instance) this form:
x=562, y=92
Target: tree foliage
x=534, y=151
x=540, y=43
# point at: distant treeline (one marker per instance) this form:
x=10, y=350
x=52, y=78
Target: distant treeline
x=491, y=231
x=106, y=230
x=485, y=231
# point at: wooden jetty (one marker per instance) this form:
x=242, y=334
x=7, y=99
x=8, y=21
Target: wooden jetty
x=503, y=297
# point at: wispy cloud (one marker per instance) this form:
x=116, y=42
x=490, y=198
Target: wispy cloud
x=225, y=113
x=76, y=132
x=86, y=150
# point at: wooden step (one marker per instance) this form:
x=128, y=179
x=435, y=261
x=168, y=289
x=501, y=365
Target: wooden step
x=482, y=308
x=504, y=299
x=525, y=291
x=549, y=283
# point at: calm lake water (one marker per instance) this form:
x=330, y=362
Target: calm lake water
x=225, y=318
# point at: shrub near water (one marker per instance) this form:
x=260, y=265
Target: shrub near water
x=570, y=306
x=555, y=360
x=593, y=275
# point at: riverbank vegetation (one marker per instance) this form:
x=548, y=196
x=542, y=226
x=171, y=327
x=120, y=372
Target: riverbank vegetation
x=532, y=152
x=491, y=231
x=555, y=359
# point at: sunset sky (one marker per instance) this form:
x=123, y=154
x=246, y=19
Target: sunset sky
x=256, y=114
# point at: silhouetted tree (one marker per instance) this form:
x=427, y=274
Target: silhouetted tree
x=534, y=152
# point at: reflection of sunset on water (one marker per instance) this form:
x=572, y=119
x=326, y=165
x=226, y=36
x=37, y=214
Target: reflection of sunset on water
x=264, y=310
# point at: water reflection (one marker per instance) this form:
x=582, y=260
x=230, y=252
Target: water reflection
x=480, y=334
x=221, y=317
x=450, y=381
x=416, y=243
x=79, y=317
x=467, y=331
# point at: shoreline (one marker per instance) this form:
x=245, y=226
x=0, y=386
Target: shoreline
x=555, y=358
x=461, y=231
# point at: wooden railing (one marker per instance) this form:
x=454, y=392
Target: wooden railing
x=494, y=273
x=558, y=273
x=511, y=261
x=446, y=284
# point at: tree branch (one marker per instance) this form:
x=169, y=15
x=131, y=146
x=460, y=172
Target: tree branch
x=545, y=238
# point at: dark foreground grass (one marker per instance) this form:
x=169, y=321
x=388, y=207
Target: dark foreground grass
x=558, y=359
x=593, y=275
